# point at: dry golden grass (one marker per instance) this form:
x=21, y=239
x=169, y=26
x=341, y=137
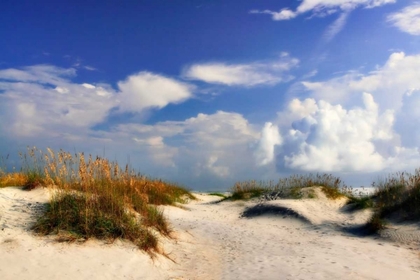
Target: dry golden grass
x=12, y=179
x=95, y=197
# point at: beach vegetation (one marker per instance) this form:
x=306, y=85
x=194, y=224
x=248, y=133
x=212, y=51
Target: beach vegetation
x=94, y=197
x=290, y=187
x=397, y=198
x=218, y=194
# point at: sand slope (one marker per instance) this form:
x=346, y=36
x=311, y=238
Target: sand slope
x=213, y=241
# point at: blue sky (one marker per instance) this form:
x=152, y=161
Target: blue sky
x=206, y=93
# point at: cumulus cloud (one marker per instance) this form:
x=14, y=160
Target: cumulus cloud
x=332, y=138
x=252, y=74
x=321, y=8
x=270, y=137
x=148, y=90
x=408, y=19
x=334, y=130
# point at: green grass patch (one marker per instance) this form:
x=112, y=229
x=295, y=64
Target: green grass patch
x=218, y=194
x=359, y=203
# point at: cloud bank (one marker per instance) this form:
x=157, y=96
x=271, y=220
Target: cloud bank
x=356, y=123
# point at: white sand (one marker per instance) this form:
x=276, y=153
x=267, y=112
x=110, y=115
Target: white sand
x=212, y=242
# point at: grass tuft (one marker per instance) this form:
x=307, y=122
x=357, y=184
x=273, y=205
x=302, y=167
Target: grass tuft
x=86, y=217
x=398, y=198
x=290, y=187
x=359, y=203
x=218, y=194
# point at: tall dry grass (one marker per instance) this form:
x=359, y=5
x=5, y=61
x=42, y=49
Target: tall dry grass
x=94, y=197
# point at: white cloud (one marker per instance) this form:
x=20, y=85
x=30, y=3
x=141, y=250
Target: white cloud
x=43, y=102
x=336, y=26
x=43, y=74
x=270, y=137
x=88, y=86
x=43, y=99
x=408, y=119
x=90, y=68
x=284, y=14
x=252, y=74
x=334, y=131
x=148, y=90
x=323, y=8
x=216, y=144
x=408, y=19
x=331, y=138
x=388, y=83
x=161, y=153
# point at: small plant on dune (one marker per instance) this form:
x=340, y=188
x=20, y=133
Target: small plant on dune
x=32, y=167
x=311, y=194
x=375, y=224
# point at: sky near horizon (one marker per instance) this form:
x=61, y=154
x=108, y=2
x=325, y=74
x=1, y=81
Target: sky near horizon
x=206, y=93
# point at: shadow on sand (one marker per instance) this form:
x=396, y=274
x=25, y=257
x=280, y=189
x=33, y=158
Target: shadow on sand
x=262, y=209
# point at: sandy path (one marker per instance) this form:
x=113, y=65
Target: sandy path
x=271, y=247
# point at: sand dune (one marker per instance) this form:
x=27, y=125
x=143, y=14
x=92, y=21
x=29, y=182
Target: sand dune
x=283, y=239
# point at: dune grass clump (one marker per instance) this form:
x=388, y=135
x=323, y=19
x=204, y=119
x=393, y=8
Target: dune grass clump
x=360, y=202
x=397, y=197
x=217, y=194
x=83, y=217
x=12, y=179
x=94, y=197
x=290, y=187
x=247, y=190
